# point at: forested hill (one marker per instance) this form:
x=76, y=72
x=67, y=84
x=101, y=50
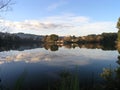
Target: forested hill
x=7, y=38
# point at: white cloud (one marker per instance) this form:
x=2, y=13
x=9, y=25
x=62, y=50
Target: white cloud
x=61, y=25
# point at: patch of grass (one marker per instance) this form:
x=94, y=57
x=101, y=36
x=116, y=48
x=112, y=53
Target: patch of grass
x=20, y=81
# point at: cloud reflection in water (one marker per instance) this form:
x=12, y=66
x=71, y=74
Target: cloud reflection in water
x=69, y=57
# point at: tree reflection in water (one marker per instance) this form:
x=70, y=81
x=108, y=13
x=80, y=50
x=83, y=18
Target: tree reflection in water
x=55, y=46
x=111, y=77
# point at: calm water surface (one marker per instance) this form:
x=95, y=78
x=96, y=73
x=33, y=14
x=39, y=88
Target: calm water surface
x=39, y=66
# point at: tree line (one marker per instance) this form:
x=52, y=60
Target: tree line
x=108, y=38
x=104, y=38
x=7, y=38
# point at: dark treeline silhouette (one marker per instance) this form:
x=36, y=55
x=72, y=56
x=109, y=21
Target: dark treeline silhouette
x=21, y=41
x=104, y=38
x=20, y=38
x=109, y=38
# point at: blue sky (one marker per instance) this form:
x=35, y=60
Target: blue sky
x=63, y=17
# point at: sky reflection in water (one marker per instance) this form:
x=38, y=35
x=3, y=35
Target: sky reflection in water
x=42, y=64
x=75, y=56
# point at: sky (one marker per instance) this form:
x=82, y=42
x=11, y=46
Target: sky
x=62, y=17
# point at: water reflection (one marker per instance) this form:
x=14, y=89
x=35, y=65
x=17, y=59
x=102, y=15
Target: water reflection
x=40, y=55
x=52, y=47
x=19, y=47
x=44, y=66
x=74, y=56
x=55, y=47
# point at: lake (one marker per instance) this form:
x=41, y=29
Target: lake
x=32, y=67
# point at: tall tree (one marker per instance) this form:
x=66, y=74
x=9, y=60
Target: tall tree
x=118, y=26
x=54, y=37
x=5, y=5
x=118, y=23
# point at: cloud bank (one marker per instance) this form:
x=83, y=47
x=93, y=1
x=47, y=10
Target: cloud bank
x=61, y=25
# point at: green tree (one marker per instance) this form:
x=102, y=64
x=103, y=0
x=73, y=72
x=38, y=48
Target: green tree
x=118, y=26
x=118, y=23
x=119, y=36
x=54, y=37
